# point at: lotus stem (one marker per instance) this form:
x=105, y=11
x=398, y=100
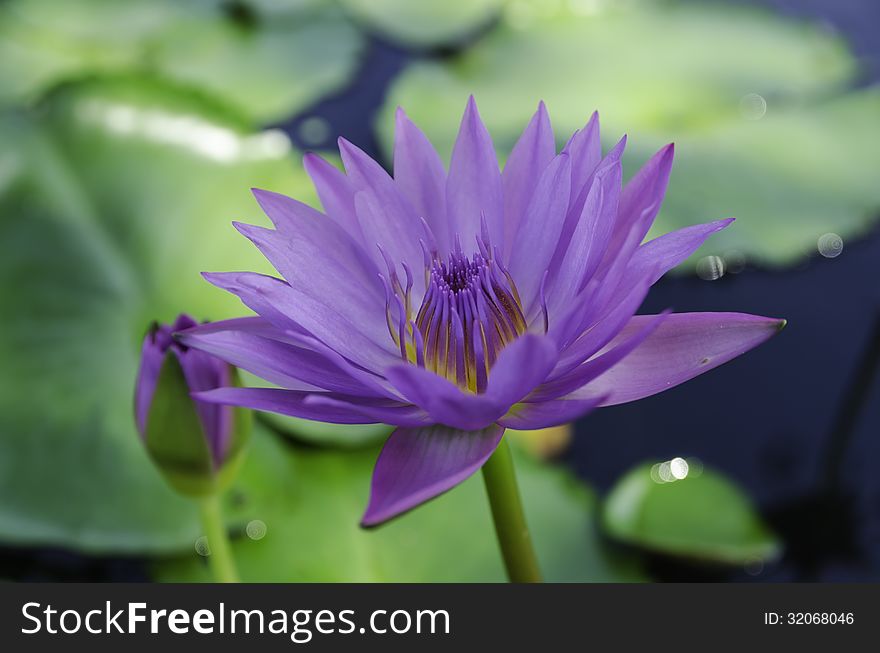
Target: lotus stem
x=510, y=522
x=220, y=551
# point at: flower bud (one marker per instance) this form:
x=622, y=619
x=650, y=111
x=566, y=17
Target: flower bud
x=196, y=445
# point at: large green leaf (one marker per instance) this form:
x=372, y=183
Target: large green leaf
x=790, y=170
x=703, y=516
x=272, y=9
x=45, y=41
x=267, y=69
x=306, y=504
x=345, y=436
x=426, y=23
x=111, y=203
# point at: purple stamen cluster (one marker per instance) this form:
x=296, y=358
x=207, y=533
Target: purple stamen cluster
x=470, y=312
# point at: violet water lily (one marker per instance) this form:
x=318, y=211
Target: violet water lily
x=454, y=304
x=197, y=445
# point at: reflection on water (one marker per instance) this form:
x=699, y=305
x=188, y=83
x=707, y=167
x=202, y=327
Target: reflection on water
x=190, y=132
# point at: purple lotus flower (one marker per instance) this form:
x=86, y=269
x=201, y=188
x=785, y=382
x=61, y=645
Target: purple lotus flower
x=193, y=442
x=456, y=304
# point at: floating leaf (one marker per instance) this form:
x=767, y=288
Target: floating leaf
x=311, y=501
x=111, y=203
x=749, y=99
x=702, y=516
x=271, y=9
x=426, y=23
x=343, y=436
x=267, y=70
x=44, y=41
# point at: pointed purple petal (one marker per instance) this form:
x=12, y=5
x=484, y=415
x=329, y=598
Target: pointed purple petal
x=544, y=414
x=576, y=207
x=374, y=218
x=585, y=149
x=204, y=372
x=421, y=177
x=378, y=412
x=589, y=370
x=323, y=407
x=532, y=153
x=290, y=216
x=587, y=244
x=684, y=346
x=152, y=356
x=335, y=192
x=519, y=369
x=643, y=268
x=592, y=321
x=656, y=257
x=444, y=401
x=395, y=225
x=416, y=465
x=267, y=296
x=639, y=204
x=313, y=272
x=538, y=235
x=288, y=308
x=310, y=241
x=473, y=188
x=282, y=358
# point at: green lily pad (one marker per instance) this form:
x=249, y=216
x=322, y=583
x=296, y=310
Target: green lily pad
x=702, y=516
x=306, y=504
x=342, y=436
x=271, y=9
x=43, y=41
x=748, y=98
x=427, y=23
x=267, y=70
x=112, y=201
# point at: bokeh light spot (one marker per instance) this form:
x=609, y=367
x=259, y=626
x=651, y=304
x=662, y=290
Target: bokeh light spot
x=752, y=106
x=710, y=268
x=314, y=131
x=830, y=245
x=202, y=547
x=678, y=467
x=256, y=529
x=753, y=566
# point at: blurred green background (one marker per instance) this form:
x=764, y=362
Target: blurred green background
x=131, y=132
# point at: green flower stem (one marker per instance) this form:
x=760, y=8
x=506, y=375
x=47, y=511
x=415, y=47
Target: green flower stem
x=220, y=558
x=510, y=522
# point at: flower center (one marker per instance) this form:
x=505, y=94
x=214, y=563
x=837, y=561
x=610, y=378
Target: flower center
x=471, y=311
